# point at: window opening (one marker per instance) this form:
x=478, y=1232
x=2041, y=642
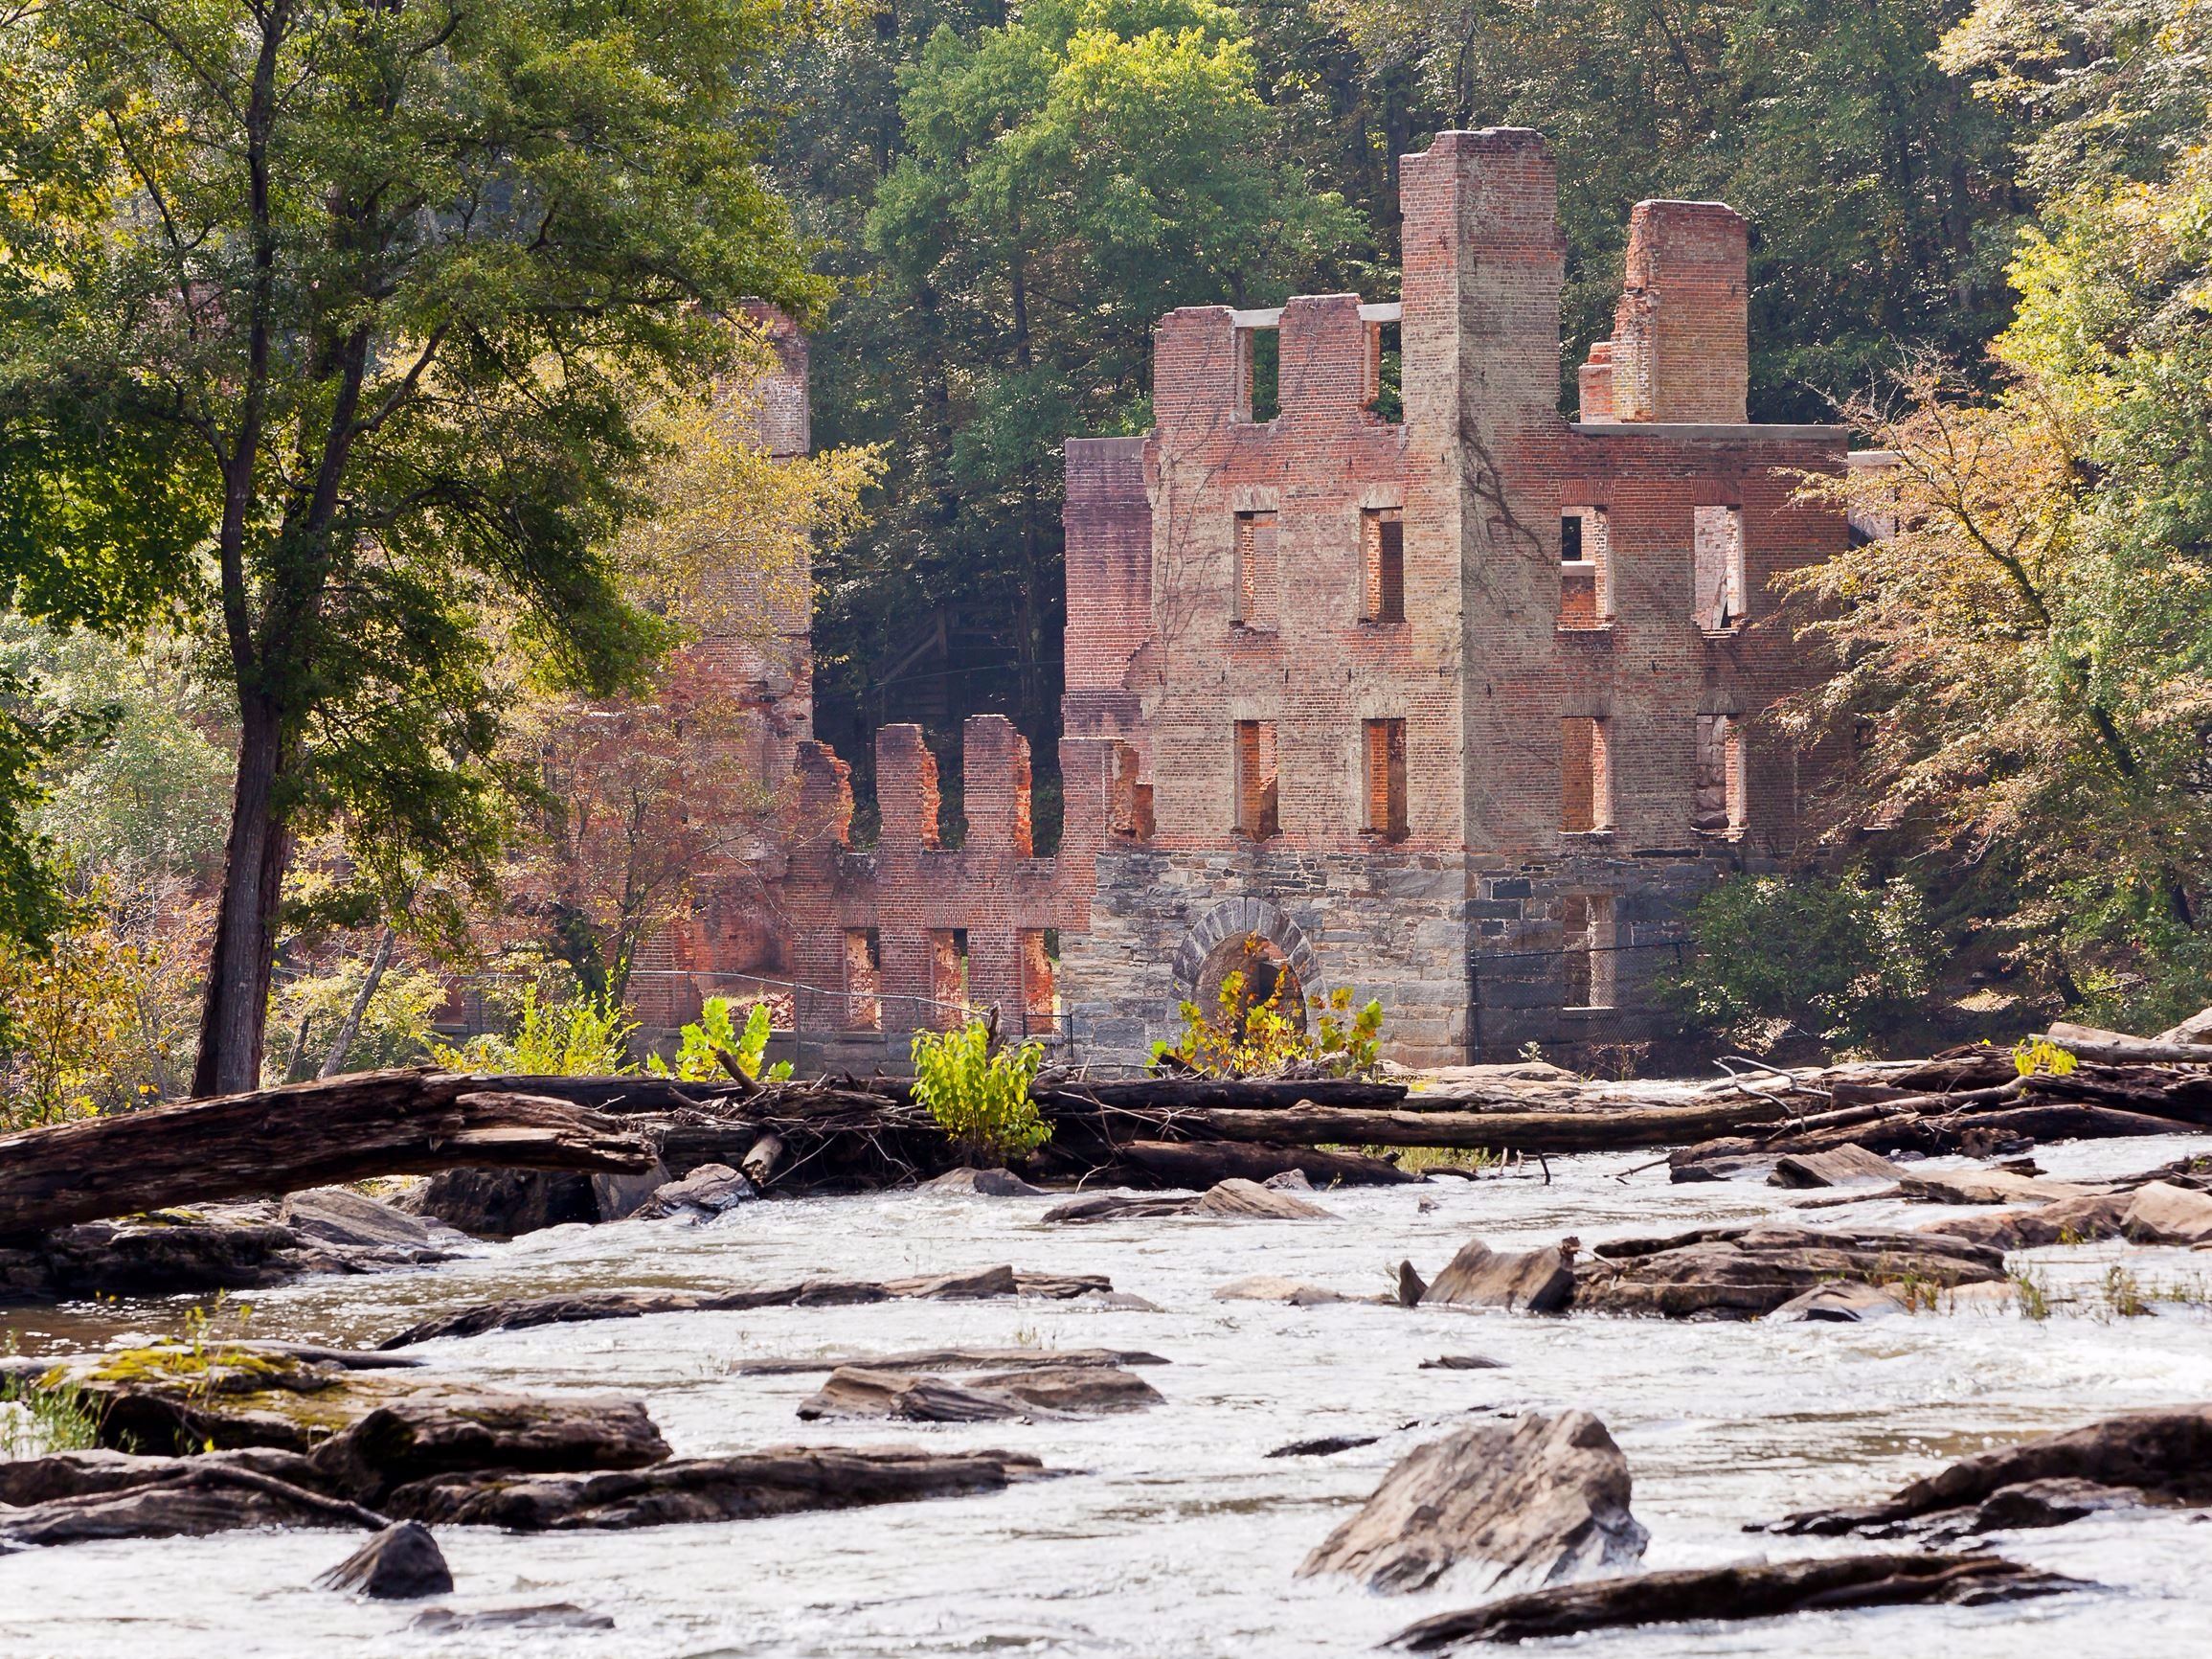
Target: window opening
x=1570, y=538
x=1257, y=570
x=1386, y=388
x=862, y=978
x=948, y=977
x=1718, y=534
x=1721, y=796
x=1257, y=804
x=1260, y=358
x=1585, y=781
x=1040, y=1000
x=1585, y=569
x=1386, y=757
x=1590, y=958
x=1383, y=565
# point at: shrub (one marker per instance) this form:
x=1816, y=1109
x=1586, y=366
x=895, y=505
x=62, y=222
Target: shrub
x=1835, y=958
x=712, y=1038
x=978, y=1090
x=579, y=1036
x=1238, y=1039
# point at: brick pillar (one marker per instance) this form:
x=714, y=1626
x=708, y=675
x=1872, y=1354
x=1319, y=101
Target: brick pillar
x=994, y=780
x=820, y=831
x=1679, y=349
x=906, y=793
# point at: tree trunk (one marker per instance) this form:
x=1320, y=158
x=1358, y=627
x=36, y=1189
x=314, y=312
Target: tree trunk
x=235, y=1008
x=350, y=1027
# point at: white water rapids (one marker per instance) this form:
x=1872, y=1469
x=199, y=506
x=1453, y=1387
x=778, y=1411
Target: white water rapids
x=1172, y=1534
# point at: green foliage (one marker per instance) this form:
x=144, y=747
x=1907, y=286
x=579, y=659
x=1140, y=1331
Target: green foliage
x=39, y=1420
x=2031, y=1055
x=1834, y=958
x=396, y=1025
x=578, y=1036
x=711, y=1038
x=77, y=1033
x=1242, y=1038
x=335, y=331
x=978, y=1090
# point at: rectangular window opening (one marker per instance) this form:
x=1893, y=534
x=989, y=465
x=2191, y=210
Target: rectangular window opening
x=1585, y=569
x=1040, y=996
x=862, y=978
x=1383, y=564
x=1585, y=781
x=1387, y=373
x=1259, y=358
x=948, y=978
x=1717, y=536
x=1386, y=770
x=1721, y=796
x=1257, y=803
x=1589, y=958
x=1256, y=571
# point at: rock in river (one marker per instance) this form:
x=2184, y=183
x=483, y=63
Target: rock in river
x=1039, y=1390
x=2162, y=1457
x=983, y=1184
x=418, y=1439
x=781, y=1481
x=1538, y=1501
x=1532, y=1281
x=398, y=1565
x=2164, y=1213
x=1747, y=1272
x=1756, y=1590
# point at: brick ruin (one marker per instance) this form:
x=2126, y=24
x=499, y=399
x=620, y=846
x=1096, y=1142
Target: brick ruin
x=1423, y=688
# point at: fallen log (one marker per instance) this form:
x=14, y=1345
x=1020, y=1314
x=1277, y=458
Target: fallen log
x=1581, y=1132
x=300, y=1135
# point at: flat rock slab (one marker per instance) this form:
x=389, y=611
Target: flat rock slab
x=1988, y=1187
x=1042, y=1390
x=1293, y=1292
x=416, y=1439
x=340, y=1216
x=1527, y=1281
x=1748, y=1272
x=1226, y=1200
x=1538, y=1501
x=214, y=1498
x=2164, y=1213
x=1843, y=1167
x=1763, y=1590
x=2070, y=1220
x=2165, y=1456
x=710, y=1190
x=584, y=1306
x=1844, y=1302
x=781, y=1481
x=983, y=1184
x=85, y=1475
x=951, y=1359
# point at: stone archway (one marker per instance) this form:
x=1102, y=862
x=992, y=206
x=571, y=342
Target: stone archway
x=1229, y=923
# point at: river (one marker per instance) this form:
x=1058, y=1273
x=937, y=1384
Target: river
x=1173, y=1533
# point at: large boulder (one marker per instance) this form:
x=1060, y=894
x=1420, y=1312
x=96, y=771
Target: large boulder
x=2160, y=1456
x=1530, y=1280
x=2164, y=1213
x=1542, y=1500
x=212, y=1498
x=1249, y=1200
x=1748, y=1272
x=416, y=1439
x=84, y=1474
x=706, y=1192
x=502, y=1203
x=1840, y=1302
x=341, y=1217
x=983, y=1184
x=1838, y=1166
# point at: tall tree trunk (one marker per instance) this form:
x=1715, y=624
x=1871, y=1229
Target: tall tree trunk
x=350, y=1027
x=234, y=1011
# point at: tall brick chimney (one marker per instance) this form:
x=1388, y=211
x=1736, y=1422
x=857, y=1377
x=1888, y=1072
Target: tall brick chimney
x=1679, y=331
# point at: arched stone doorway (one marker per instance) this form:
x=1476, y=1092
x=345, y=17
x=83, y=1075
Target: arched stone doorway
x=1252, y=936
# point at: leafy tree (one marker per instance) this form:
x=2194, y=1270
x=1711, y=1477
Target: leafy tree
x=2027, y=659
x=1834, y=958
x=1049, y=184
x=340, y=342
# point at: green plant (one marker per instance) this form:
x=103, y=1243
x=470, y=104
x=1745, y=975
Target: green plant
x=978, y=1090
x=714, y=1047
x=38, y=1419
x=2123, y=1294
x=1248, y=1037
x=2031, y=1293
x=2039, y=1054
x=577, y=1038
